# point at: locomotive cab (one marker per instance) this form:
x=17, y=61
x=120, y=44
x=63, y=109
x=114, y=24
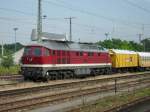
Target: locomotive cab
x=32, y=59
x=34, y=55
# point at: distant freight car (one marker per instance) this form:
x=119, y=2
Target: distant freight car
x=144, y=60
x=123, y=60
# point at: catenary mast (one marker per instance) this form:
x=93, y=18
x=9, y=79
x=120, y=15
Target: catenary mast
x=39, y=20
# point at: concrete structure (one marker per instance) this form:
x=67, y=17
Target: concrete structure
x=17, y=56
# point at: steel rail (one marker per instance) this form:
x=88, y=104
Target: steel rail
x=11, y=77
x=26, y=103
x=12, y=97
x=60, y=86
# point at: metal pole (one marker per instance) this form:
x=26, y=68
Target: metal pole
x=15, y=40
x=140, y=37
x=144, y=44
x=113, y=31
x=15, y=29
x=115, y=85
x=106, y=34
x=39, y=20
x=70, y=30
x=143, y=28
x=2, y=49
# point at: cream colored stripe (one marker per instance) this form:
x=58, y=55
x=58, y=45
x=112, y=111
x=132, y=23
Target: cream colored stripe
x=64, y=65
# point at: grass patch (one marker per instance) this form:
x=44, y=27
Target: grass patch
x=113, y=101
x=11, y=70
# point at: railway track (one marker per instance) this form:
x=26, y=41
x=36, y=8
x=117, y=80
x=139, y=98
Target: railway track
x=14, y=77
x=61, y=92
x=126, y=106
x=8, y=84
x=9, y=98
x=120, y=108
x=66, y=85
x=59, y=97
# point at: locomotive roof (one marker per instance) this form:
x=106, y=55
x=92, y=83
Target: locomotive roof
x=68, y=45
x=123, y=51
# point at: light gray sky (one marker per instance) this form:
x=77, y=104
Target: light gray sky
x=123, y=19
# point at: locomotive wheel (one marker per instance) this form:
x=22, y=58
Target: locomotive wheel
x=66, y=76
x=46, y=77
x=61, y=76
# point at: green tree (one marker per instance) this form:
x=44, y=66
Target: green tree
x=146, y=44
x=7, y=61
x=121, y=44
x=10, y=48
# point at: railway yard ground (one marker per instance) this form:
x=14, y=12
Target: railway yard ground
x=72, y=94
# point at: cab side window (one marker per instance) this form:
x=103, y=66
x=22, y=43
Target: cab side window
x=53, y=53
x=46, y=52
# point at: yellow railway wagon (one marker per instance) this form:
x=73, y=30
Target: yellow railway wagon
x=144, y=59
x=123, y=58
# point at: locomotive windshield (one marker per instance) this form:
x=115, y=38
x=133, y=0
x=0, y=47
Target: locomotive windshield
x=27, y=51
x=37, y=52
x=34, y=51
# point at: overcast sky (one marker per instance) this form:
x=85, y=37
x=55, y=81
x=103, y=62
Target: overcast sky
x=123, y=19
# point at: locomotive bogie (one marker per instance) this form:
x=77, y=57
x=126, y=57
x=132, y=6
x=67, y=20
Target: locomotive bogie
x=59, y=71
x=32, y=73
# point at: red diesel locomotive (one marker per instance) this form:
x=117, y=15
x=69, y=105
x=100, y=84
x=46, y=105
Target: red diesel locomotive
x=63, y=59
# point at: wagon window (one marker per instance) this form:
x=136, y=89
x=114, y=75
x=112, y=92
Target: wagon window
x=90, y=54
x=81, y=53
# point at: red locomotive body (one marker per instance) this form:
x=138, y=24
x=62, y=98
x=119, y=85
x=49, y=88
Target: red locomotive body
x=57, y=59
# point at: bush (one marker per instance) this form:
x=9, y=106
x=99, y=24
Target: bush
x=10, y=70
x=7, y=61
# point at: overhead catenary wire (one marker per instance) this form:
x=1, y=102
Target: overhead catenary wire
x=17, y=11
x=17, y=20
x=59, y=19
x=137, y=6
x=96, y=29
x=83, y=11
x=73, y=9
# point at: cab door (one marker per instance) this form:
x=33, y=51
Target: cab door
x=46, y=56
